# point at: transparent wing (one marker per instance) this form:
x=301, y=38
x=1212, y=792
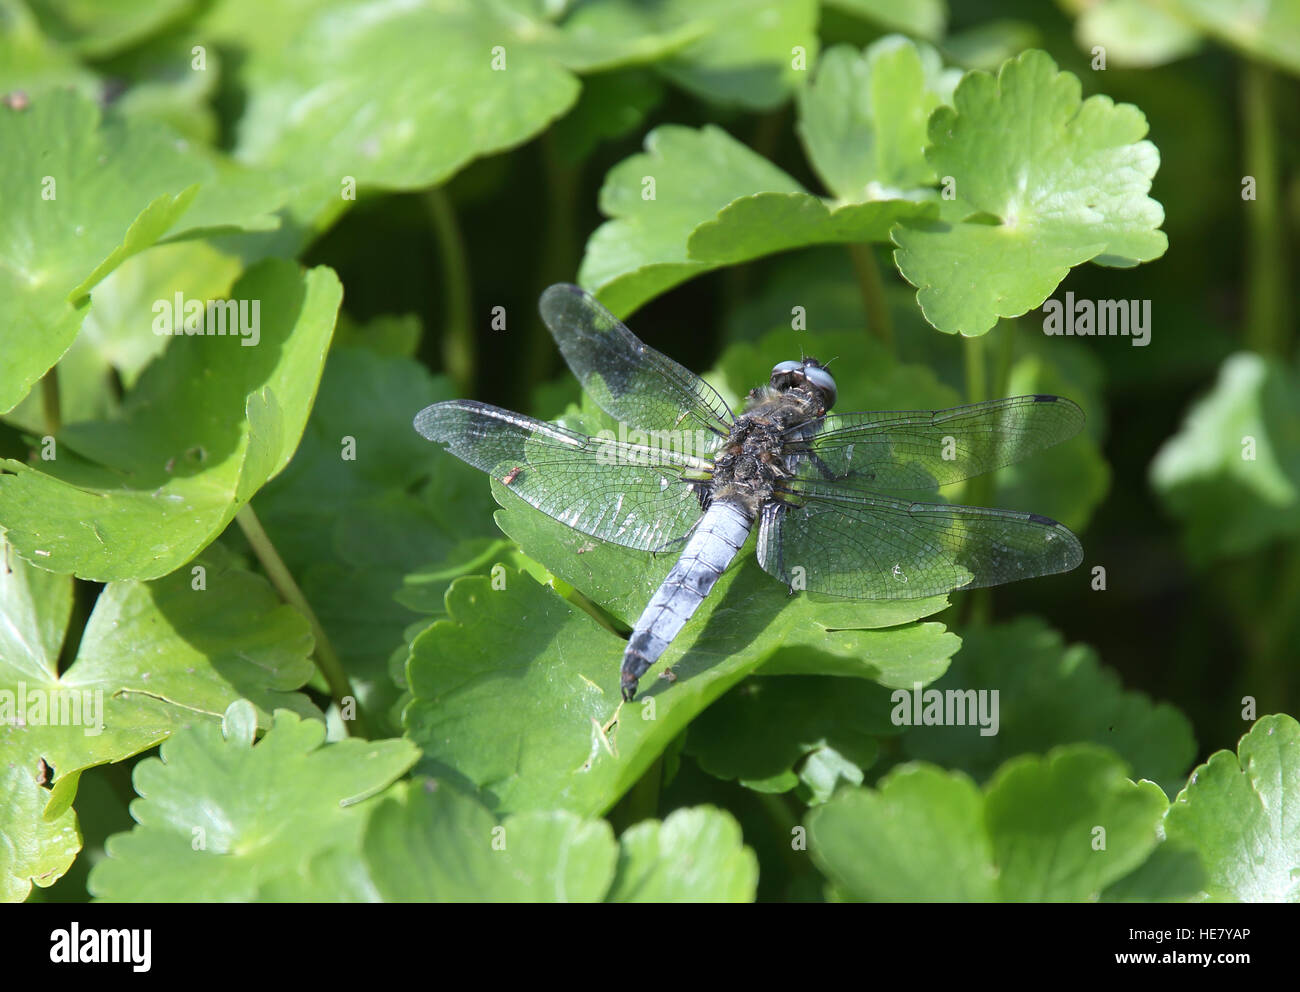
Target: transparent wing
x=638, y=496
x=926, y=449
x=862, y=546
x=627, y=378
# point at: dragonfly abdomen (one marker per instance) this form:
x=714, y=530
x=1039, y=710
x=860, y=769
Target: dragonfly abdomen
x=716, y=540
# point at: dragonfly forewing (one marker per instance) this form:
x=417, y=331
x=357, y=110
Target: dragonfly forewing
x=628, y=494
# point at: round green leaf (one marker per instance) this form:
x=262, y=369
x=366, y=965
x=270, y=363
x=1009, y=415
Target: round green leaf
x=1264, y=29
x=427, y=843
x=1135, y=32
x=32, y=848
x=919, y=838
x=1232, y=472
x=1042, y=181
x=1241, y=813
x=1060, y=828
x=218, y=817
x=764, y=727
x=154, y=657
x=204, y=428
x=863, y=118
x=695, y=855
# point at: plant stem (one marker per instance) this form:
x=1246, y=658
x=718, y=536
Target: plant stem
x=979, y=491
x=458, y=332
x=1268, y=326
x=976, y=375
x=50, y=406
x=281, y=578
x=1005, y=334
x=879, y=323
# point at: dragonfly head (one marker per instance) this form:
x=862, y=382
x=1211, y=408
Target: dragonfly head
x=808, y=373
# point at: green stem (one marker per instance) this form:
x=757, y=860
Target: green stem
x=281, y=578
x=458, y=332
x=50, y=406
x=976, y=375
x=1268, y=326
x=879, y=323
x=979, y=491
x=1005, y=333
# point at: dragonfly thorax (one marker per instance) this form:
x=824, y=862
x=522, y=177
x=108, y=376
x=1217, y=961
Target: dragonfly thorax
x=756, y=454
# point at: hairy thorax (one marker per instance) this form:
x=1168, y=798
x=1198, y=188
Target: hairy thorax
x=758, y=454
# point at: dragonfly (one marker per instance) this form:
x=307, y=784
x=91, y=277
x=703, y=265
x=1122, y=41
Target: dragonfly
x=834, y=496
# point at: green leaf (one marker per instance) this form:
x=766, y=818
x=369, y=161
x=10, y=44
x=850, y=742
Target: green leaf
x=762, y=729
x=1066, y=826
x=1060, y=828
x=1263, y=29
x=1042, y=180
x=30, y=62
x=694, y=855
x=919, y=838
x=100, y=28
x=642, y=251
x=97, y=193
x=218, y=817
x=766, y=223
x=696, y=200
x=990, y=43
x=863, y=118
x=515, y=690
x=1232, y=472
x=353, y=90
x=747, y=54
x=154, y=657
x=1134, y=32
x=612, y=105
x=1050, y=694
x=1239, y=812
x=205, y=427
x=111, y=340
x=164, y=81
x=32, y=848
x=427, y=843
x=611, y=34
x=1173, y=873
x=922, y=18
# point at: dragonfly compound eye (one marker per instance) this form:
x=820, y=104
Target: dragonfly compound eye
x=823, y=380
x=784, y=374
